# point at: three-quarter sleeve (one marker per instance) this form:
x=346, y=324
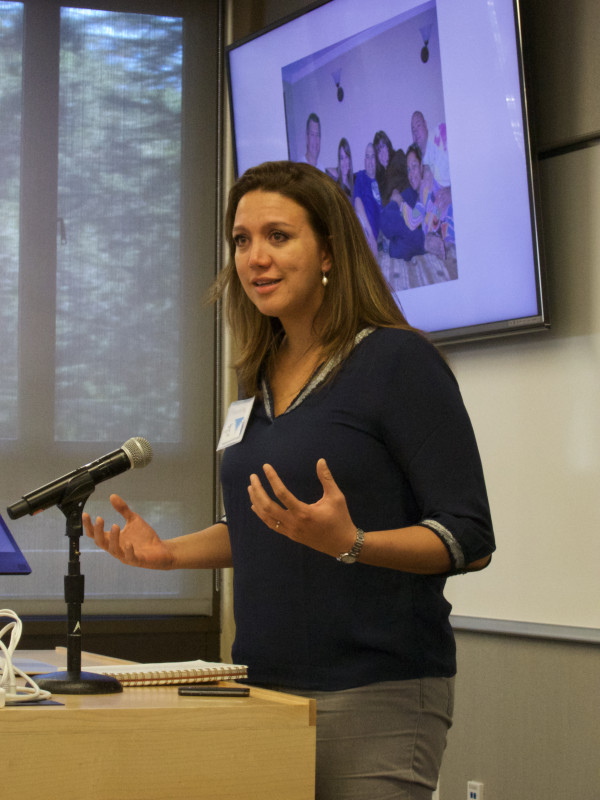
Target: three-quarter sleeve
x=428, y=431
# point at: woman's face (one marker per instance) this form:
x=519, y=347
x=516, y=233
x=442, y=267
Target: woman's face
x=278, y=257
x=415, y=171
x=383, y=154
x=344, y=164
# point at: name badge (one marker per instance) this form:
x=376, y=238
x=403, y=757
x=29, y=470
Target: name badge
x=236, y=421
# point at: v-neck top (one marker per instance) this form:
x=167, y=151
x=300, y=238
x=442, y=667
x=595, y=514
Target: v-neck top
x=393, y=429
x=317, y=377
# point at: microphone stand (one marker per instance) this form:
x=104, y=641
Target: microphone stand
x=73, y=680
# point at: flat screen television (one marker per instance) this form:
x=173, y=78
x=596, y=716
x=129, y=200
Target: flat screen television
x=464, y=262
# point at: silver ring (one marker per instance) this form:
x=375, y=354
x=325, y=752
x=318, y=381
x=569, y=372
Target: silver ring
x=277, y=524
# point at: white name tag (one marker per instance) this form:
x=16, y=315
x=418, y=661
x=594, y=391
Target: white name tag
x=236, y=421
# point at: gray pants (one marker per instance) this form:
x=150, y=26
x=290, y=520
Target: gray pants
x=384, y=741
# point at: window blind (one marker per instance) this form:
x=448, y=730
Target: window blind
x=108, y=246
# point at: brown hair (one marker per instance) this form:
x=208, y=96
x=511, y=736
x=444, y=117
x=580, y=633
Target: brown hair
x=357, y=295
x=349, y=187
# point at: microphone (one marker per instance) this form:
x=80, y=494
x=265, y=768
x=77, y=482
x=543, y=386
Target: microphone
x=134, y=454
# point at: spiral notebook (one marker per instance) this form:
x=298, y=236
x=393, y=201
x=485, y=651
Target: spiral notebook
x=172, y=673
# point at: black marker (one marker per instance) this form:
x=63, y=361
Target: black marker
x=214, y=691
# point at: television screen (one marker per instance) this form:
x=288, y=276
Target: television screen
x=418, y=110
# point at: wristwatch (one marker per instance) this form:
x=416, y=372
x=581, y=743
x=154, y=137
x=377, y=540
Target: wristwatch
x=351, y=556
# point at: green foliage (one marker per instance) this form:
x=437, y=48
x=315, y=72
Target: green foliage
x=118, y=284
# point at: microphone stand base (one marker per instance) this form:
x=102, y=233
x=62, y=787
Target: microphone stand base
x=79, y=683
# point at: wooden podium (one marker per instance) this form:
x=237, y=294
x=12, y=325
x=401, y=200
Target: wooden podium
x=151, y=744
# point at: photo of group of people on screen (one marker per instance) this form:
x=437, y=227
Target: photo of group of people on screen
x=403, y=200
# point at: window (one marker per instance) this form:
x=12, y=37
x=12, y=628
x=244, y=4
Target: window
x=108, y=200
x=11, y=44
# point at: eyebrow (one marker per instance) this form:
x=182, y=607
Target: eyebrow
x=269, y=224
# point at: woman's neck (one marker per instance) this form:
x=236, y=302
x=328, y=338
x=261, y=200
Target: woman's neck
x=299, y=340
x=298, y=349
x=295, y=361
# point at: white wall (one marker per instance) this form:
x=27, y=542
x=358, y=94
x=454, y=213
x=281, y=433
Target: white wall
x=535, y=404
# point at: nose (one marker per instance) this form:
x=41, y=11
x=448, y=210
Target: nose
x=258, y=255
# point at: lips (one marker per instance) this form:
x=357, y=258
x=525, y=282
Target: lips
x=265, y=285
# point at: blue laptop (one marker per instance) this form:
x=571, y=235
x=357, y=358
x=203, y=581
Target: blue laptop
x=12, y=560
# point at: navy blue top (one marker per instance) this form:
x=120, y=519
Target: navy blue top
x=368, y=190
x=393, y=429
x=404, y=242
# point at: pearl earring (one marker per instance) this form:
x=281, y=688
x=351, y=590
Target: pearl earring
x=324, y=279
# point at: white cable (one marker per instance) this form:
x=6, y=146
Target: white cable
x=10, y=673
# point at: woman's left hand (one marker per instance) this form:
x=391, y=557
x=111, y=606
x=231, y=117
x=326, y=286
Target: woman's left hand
x=325, y=525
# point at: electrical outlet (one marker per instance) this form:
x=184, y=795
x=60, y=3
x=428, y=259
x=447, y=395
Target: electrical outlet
x=474, y=790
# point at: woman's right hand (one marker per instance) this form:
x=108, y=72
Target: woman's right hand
x=136, y=544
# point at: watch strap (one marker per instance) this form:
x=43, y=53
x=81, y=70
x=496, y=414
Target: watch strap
x=351, y=556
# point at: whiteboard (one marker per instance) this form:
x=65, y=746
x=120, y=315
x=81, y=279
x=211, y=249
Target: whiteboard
x=535, y=405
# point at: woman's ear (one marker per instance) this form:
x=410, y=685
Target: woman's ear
x=326, y=259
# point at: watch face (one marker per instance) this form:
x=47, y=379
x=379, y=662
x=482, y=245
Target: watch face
x=351, y=556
